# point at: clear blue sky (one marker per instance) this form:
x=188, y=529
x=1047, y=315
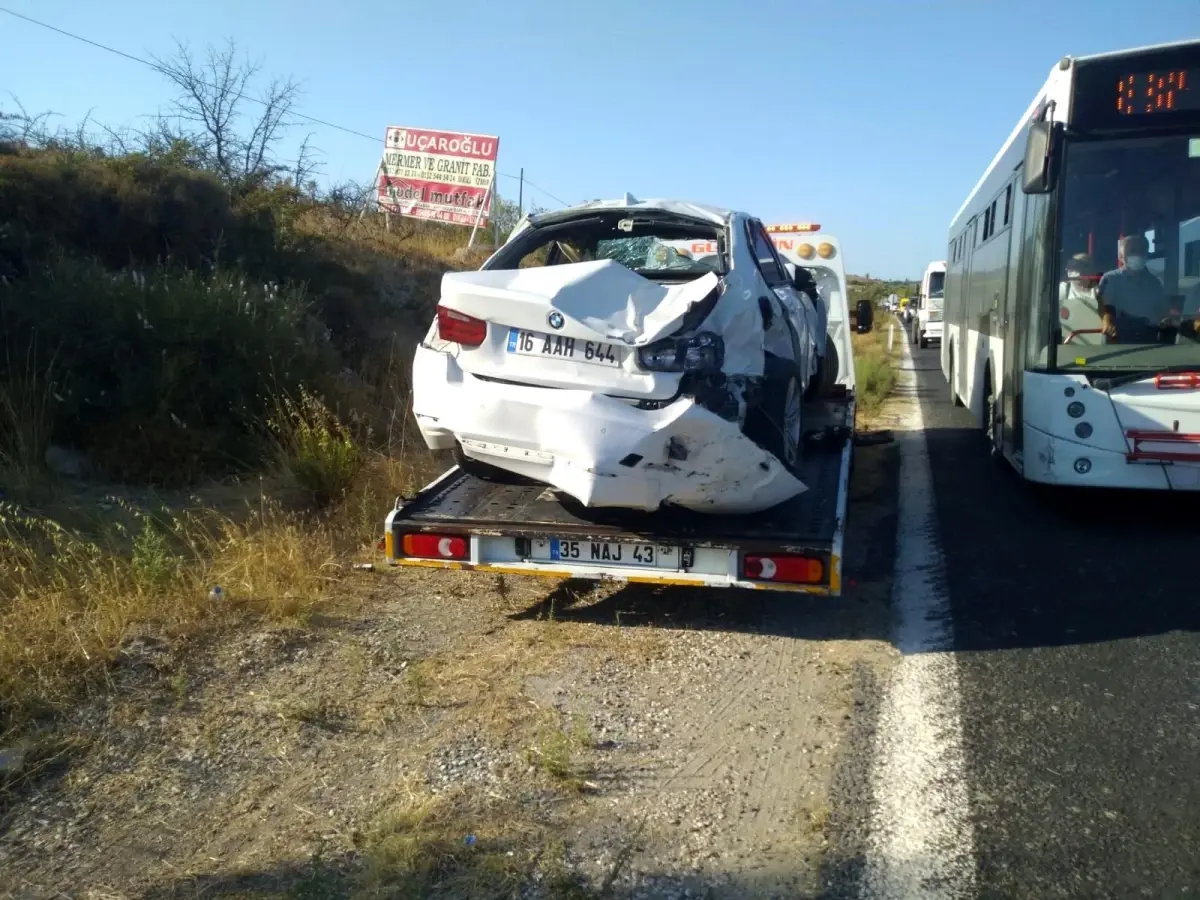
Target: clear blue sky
x=872, y=117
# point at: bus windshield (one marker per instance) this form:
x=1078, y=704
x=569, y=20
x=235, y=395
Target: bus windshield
x=1140, y=308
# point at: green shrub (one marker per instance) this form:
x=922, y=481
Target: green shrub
x=316, y=447
x=163, y=374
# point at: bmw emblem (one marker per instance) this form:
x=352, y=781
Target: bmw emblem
x=555, y=319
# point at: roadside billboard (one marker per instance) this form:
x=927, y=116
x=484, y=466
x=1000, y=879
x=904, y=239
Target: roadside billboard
x=446, y=176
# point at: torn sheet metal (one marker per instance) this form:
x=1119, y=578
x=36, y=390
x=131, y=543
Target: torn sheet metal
x=602, y=451
x=600, y=299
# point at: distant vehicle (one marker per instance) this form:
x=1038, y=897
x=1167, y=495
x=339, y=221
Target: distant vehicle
x=1100, y=175
x=906, y=311
x=927, y=320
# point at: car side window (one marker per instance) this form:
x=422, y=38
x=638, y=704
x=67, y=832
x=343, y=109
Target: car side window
x=764, y=254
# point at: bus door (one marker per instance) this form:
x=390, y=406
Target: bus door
x=1012, y=328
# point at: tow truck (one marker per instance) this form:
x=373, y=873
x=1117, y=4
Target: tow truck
x=460, y=521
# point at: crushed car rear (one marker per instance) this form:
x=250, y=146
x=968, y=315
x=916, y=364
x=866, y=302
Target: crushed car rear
x=592, y=352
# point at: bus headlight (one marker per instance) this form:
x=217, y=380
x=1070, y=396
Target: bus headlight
x=1083, y=431
x=1083, y=465
x=1075, y=409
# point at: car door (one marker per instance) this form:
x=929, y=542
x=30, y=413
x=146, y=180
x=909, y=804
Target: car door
x=790, y=334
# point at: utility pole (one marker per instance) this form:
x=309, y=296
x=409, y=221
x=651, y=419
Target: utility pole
x=521, y=195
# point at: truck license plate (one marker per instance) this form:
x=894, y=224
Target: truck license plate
x=556, y=346
x=600, y=553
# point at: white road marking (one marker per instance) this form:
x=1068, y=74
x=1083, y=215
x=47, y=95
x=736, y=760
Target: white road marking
x=921, y=838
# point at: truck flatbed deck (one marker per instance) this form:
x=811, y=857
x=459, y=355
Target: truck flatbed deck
x=530, y=528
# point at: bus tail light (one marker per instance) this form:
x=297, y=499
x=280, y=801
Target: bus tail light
x=805, y=251
x=1165, y=381
x=434, y=546
x=783, y=567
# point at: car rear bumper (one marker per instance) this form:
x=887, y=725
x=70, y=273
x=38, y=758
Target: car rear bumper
x=603, y=451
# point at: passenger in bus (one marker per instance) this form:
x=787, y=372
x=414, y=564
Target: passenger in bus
x=1135, y=304
x=1079, y=309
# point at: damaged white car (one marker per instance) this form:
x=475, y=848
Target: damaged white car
x=598, y=352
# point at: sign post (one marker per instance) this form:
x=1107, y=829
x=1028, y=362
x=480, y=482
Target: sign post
x=479, y=218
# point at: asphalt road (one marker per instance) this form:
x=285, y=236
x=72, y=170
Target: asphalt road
x=1077, y=638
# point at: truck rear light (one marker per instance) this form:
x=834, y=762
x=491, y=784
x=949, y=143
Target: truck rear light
x=459, y=328
x=435, y=546
x=783, y=567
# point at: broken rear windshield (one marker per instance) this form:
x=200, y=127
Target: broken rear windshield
x=656, y=246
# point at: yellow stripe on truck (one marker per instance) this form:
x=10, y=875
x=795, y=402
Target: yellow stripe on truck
x=545, y=572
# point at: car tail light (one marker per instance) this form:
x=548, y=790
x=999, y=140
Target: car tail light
x=690, y=354
x=783, y=567
x=435, y=546
x=459, y=328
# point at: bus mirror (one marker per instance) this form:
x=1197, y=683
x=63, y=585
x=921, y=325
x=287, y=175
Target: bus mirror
x=1041, y=156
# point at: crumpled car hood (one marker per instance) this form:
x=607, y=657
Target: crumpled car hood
x=604, y=296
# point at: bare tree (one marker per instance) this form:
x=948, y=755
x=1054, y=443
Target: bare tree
x=235, y=128
x=22, y=127
x=305, y=166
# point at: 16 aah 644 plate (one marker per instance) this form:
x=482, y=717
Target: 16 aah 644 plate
x=601, y=553
x=555, y=346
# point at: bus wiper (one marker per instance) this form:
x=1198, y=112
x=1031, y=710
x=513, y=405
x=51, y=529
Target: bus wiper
x=1107, y=384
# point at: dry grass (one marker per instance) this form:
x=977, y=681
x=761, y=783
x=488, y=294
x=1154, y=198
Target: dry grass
x=68, y=600
x=79, y=578
x=464, y=845
x=874, y=367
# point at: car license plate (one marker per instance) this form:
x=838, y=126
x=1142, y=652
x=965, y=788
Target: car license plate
x=557, y=346
x=600, y=553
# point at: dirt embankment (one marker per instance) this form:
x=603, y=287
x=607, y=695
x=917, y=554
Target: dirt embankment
x=461, y=735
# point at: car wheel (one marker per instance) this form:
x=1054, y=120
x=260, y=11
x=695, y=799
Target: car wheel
x=777, y=425
x=823, y=383
x=788, y=419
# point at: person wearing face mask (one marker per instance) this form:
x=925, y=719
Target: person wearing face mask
x=1134, y=302
x=1079, y=309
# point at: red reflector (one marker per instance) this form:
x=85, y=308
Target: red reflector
x=460, y=328
x=1176, y=380
x=434, y=546
x=1064, y=313
x=791, y=569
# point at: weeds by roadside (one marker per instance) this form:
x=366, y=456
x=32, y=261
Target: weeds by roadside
x=874, y=366
x=76, y=580
x=462, y=846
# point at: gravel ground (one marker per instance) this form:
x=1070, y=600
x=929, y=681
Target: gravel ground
x=458, y=731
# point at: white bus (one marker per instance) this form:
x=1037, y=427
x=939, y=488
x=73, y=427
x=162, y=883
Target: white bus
x=1103, y=390
x=930, y=301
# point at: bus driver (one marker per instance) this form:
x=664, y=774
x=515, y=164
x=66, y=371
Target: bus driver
x=1135, y=305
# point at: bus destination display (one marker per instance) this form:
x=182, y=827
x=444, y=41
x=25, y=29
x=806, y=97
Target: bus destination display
x=1146, y=93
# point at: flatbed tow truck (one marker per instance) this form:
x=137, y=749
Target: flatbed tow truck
x=459, y=521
